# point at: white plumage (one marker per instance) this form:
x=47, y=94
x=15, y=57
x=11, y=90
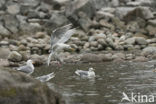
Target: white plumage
x=89, y=73
x=28, y=68
x=46, y=78
x=58, y=39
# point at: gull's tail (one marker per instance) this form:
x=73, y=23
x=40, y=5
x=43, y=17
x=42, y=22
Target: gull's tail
x=77, y=72
x=51, y=75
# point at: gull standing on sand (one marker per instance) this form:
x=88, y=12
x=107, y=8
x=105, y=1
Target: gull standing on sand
x=58, y=38
x=28, y=68
x=89, y=74
x=46, y=78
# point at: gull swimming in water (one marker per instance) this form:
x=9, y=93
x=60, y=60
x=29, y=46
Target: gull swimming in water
x=28, y=68
x=46, y=78
x=58, y=38
x=90, y=73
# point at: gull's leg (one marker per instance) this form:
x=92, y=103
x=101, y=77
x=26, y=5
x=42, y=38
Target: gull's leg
x=59, y=64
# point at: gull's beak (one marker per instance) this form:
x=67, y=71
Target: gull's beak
x=33, y=62
x=72, y=49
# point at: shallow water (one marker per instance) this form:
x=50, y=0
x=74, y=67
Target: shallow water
x=112, y=79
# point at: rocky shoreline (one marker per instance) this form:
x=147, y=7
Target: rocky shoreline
x=108, y=30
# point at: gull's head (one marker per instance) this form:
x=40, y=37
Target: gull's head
x=91, y=69
x=30, y=62
x=69, y=48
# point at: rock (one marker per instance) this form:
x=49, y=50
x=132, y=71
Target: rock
x=118, y=56
x=44, y=7
x=94, y=44
x=13, y=47
x=25, y=55
x=133, y=26
x=86, y=45
x=21, y=19
x=140, y=35
x=58, y=19
x=122, y=11
x=129, y=56
x=100, y=36
x=135, y=3
x=76, y=6
x=2, y=3
x=84, y=22
x=115, y=3
x=131, y=13
x=140, y=59
x=140, y=41
x=73, y=12
x=94, y=48
x=57, y=4
x=15, y=56
x=11, y=23
x=118, y=23
x=129, y=47
x=4, y=43
x=91, y=58
x=3, y=31
x=130, y=41
x=152, y=22
x=104, y=15
x=32, y=14
x=38, y=60
x=4, y=53
x=100, y=3
x=102, y=42
x=110, y=42
x=149, y=51
x=108, y=49
x=4, y=62
x=25, y=28
x=13, y=9
x=103, y=23
x=29, y=3
x=151, y=30
x=106, y=57
x=22, y=48
x=17, y=88
x=40, y=35
x=149, y=41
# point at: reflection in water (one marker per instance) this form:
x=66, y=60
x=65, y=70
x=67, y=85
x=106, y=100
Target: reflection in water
x=112, y=79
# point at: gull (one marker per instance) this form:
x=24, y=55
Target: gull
x=89, y=73
x=28, y=68
x=58, y=38
x=46, y=78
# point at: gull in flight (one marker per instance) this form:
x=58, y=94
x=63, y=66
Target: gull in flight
x=58, y=38
x=28, y=68
x=89, y=74
x=46, y=78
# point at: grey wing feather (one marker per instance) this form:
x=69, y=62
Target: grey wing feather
x=82, y=73
x=58, y=33
x=46, y=77
x=26, y=69
x=66, y=36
